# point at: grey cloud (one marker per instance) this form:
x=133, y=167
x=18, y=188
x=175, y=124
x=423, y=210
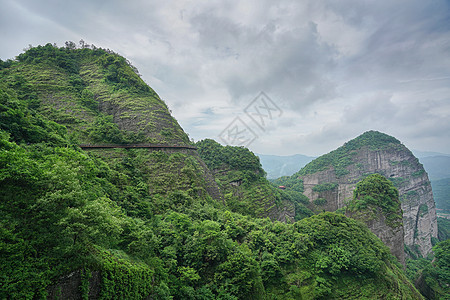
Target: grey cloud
x=387, y=53
x=289, y=62
x=373, y=109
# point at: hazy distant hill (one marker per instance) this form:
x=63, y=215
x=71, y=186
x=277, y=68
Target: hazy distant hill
x=441, y=193
x=437, y=167
x=277, y=166
x=421, y=154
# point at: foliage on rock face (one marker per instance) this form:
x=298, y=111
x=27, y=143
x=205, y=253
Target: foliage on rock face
x=22, y=124
x=432, y=276
x=78, y=88
x=376, y=191
x=143, y=220
x=328, y=186
x=291, y=183
x=340, y=158
x=218, y=157
x=241, y=178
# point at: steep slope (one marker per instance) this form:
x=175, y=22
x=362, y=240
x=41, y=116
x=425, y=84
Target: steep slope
x=140, y=223
x=99, y=97
x=241, y=179
x=329, y=181
x=376, y=203
x=96, y=94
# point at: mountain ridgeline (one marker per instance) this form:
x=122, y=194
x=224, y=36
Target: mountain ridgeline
x=329, y=181
x=158, y=222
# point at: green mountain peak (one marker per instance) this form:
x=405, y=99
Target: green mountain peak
x=95, y=93
x=340, y=158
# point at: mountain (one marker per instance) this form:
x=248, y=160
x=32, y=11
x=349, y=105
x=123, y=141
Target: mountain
x=437, y=167
x=441, y=193
x=103, y=197
x=278, y=166
x=422, y=154
x=376, y=203
x=241, y=179
x=100, y=99
x=329, y=181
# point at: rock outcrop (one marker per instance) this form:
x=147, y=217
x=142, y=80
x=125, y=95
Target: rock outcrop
x=376, y=203
x=375, y=152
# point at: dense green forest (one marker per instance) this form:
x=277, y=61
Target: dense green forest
x=195, y=251
x=239, y=174
x=142, y=221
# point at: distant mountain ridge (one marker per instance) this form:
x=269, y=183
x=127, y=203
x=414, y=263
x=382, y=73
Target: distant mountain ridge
x=421, y=154
x=437, y=167
x=277, y=166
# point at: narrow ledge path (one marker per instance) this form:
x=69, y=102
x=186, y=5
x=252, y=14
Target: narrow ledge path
x=150, y=146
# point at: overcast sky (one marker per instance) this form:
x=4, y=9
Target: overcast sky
x=328, y=70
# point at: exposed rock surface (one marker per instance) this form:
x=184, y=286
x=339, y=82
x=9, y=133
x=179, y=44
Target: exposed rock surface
x=393, y=237
x=361, y=157
x=376, y=203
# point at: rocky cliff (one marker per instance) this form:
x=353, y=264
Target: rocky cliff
x=376, y=203
x=375, y=152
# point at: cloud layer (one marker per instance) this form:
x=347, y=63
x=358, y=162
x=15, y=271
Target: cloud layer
x=336, y=69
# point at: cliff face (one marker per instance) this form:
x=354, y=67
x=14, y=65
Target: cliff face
x=376, y=203
x=392, y=160
x=393, y=237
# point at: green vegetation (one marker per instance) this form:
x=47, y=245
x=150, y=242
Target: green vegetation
x=294, y=189
x=218, y=157
x=443, y=229
x=374, y=192
x=324, y=187
x=340, y=158
x=398, y=181
x=320, y=201
x=291, y=183
x=96, y=94
x=241, y=179
x=142, y=219
x=432, y=276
